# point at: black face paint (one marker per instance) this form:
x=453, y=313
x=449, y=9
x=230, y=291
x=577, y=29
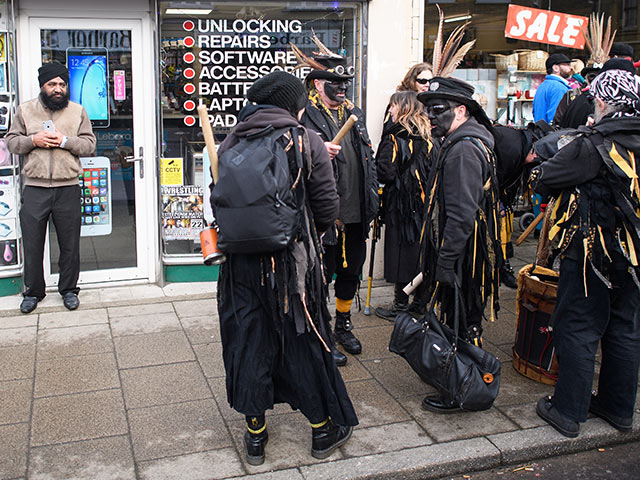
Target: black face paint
x=336, y=90
x=441, y=116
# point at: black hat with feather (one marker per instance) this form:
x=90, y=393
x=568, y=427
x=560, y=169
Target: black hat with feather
x=326, y=65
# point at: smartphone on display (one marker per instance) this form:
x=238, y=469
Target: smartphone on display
x=47, y=125
x=89, y=82
x=95, y=200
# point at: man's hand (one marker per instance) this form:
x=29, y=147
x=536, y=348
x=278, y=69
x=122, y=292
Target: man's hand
x=444, y=276
x=46, y=139
x=332, y=149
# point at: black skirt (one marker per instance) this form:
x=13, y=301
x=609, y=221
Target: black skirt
x=266, y=361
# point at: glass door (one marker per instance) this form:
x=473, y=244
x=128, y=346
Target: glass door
x=111, y=75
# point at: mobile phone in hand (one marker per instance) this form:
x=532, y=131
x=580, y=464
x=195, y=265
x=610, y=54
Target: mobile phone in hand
x=48, y=126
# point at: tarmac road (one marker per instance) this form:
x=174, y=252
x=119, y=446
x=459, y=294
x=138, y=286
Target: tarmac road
x=620, y=462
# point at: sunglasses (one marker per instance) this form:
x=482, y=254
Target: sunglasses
x=423, y=81
x=437, y=109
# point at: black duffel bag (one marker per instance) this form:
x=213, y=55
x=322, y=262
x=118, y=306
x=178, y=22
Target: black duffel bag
x=462, y=373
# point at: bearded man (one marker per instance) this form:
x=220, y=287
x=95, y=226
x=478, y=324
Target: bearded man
x=555, y=85
x=51, y=133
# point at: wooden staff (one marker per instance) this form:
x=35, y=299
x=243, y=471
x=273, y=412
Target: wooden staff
x=530, y=228
x=209, y=141
x=345, y=129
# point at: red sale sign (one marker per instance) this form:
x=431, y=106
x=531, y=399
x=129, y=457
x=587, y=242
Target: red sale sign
x=545, y=26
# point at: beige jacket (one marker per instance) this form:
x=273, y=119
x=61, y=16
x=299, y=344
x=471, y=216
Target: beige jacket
x=55, y=167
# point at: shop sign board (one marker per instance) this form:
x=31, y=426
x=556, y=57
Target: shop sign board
x=545, y=26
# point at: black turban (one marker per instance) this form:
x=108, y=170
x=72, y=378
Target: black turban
x=49, y=71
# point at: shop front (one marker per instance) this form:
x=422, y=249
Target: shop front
x=140, y=68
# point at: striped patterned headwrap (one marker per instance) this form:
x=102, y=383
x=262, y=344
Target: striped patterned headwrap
x=618, y=87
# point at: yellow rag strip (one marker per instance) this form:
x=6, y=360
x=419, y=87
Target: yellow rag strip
x=621, y=162
x=344, y=250
x=310, y=320
x=395, y=149
x=321, y=424
x=604, y=246
x=632, y=251
x=422, y=194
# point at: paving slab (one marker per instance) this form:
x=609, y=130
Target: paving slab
x=457, y=426
x=100, y=459
x=19, y=321
x=196, y=308
x=80, y=416
x=354, y=370
x=153, y=349
x=15, y=401
x=73, y=318
x=147, y=323
x=201, y=329
x=72, y=341
x=10, y=337
x=432, y=461
x=385, y=438
x=375, y=342
x=195, y=466
x=17, y=362
x=177, y=429
x=146, y=309
x=60, y=376
x=210, y=358
x=374, y=405
x=13, y=450
x=163, y=384
x=397, y=377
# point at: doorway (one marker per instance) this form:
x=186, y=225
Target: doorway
x=112, y=76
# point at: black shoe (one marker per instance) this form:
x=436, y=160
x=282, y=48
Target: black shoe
x=29, y=304
x=254, y=446
x=435, y=404
x=390, y=314
x=338, y=357
x=71, y=301
x=553, y=417
x=619, y=423
x=507, y=277
x=327, y=438
x=417, y=309
x=343, y=334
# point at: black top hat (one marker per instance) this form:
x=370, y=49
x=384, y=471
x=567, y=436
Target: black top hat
x=556, y=59
x=451, y=89
x=335, y=68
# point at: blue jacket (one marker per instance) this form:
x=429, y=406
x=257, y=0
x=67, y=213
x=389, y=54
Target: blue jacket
x=548, y=97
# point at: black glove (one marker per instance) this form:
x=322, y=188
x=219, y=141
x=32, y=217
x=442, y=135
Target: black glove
x=445, y=276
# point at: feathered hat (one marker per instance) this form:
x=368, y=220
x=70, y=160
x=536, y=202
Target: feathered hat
x=325, y=64
x=599, y=41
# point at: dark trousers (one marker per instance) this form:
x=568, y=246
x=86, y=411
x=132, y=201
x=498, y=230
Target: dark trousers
x=347, y=279
x=62, y=204
x=580, y=323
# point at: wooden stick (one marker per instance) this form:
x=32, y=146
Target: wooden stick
x=209, y=141
x=530, y=228
x=345, y=129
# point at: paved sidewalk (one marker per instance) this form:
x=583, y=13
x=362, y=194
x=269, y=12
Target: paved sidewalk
x=131, y=386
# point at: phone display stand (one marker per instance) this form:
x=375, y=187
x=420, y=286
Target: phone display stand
x=10, y=236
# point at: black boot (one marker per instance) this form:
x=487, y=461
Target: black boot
x=507, y=277
x=255, y=439
x=418, y=306
x=338, y=357
x=327, y=438
x=343, y=333
x=400, y=304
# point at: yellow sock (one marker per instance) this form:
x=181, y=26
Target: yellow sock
x=343, y=306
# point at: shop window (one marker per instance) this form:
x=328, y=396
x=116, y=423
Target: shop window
x=629, y=14
x=211, y=53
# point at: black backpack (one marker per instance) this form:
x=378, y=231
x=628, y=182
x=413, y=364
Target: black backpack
x=254, y=204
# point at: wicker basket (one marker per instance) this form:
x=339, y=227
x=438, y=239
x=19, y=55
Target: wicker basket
x=503, y=62
x=532, y=60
